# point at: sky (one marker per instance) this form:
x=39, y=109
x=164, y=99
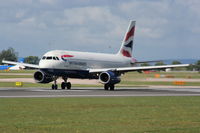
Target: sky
x=165, y=29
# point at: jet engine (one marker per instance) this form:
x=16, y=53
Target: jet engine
x=41, y=77
x=109, y=77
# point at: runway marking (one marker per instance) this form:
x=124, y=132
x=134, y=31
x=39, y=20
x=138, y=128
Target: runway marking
x=41, y=90
x=79, y=90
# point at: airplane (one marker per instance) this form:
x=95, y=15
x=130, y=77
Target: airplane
x=13, y=67
x=87, y=65
x=5, y=67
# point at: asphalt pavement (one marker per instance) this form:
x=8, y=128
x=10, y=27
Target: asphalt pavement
x=97, y=92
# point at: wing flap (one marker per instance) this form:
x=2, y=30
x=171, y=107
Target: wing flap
x=143, y=68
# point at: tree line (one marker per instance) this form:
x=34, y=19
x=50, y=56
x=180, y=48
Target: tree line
x=11, y=55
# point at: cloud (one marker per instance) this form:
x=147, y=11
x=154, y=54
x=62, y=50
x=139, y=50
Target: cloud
x=29, y=21
x=144, y=8
x=150, y=16
x=32, y=23
x=85, y=15
x=96, y=25
x=93, y=26
x=51, y=2
x=192, y=5
x=20, y=14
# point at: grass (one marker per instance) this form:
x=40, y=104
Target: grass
x=157, y=83
x=12, y=84
x=15, y=76
x=100, y=115
x=122, y=84
x=129, y=79
x=136, y=75
x=17, y=71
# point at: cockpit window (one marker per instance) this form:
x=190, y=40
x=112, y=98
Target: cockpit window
x=49, y=58
x=44, y=57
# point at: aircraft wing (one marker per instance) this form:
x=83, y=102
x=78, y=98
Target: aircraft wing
x=20, y=64
x=142, y=68
x=153, y=61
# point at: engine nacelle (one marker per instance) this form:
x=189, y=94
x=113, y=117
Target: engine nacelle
x=109, y=78
x=41, y=77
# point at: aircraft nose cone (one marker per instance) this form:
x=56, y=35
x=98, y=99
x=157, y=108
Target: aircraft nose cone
x=45, y=64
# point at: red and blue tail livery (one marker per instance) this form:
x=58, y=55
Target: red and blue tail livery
x=127, y=44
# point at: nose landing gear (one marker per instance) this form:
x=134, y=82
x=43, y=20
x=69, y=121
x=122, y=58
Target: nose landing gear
x=54, y=85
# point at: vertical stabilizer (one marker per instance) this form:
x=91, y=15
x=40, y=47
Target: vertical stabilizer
x=127, y=44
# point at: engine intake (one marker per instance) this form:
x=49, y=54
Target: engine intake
x=41, y=77
x=109, y=77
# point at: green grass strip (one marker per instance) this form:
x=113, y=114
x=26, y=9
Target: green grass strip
x=15, y=76
x=171, y=83
x=100, y=115
x=122, y=84
x=18, y=71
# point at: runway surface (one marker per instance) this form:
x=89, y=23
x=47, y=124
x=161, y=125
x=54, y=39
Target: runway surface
x=97, y=92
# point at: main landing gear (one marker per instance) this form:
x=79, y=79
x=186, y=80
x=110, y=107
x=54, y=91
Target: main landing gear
x=111, y=86
x=64, y=84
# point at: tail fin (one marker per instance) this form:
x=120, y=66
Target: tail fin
x=127, y=44
x=21, y=60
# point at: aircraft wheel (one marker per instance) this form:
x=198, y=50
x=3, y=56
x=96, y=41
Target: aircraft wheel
x=112, y=87
x=106, y=87
x=69, y=85
x=63, y=85
x=52, y=87
x=56, y=87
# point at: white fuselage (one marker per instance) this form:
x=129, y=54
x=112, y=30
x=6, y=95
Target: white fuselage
x=72, y=60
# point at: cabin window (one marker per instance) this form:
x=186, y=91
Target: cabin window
x=54, y=58
x=57, y=58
